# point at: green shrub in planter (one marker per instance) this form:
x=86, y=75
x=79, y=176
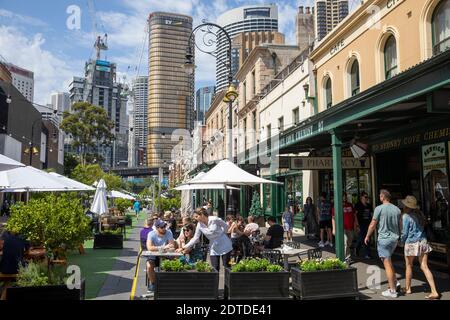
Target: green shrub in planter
x=255, y=265
x=122, y=205
x=201, y=281
x=56, y=222
x=322, y=265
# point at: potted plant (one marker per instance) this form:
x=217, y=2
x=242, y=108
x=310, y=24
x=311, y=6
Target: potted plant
x=109, y=239
x=254, y=278
x=39, y=282
x=178, y=280
x=256, y=210
x=122, y=205
x=56, y=223
x=324, y=279
x=128, y=220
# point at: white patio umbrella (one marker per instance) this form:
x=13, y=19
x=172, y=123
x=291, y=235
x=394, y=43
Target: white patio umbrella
x=73, y=183
x=29, y=179
x=183, y=187
x=117, y=194
x=227, y=173
x=8, y=163
x=100, y=204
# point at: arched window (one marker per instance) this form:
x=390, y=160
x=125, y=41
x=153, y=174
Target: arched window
x=441, y=27
x=354, y=78
x=390, y=58
x=328, y=93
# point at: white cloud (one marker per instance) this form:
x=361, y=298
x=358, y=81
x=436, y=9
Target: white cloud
x=286, y=22
x=21, y=19
x=51, y=73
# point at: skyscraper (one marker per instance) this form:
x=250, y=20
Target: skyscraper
x=60, y=101
x=23, y=80
x=243, y=19
x=203, y=99
x=100, y=88
x=328, y=14
x=305, y=27
x=170, y=89
x=140, y=117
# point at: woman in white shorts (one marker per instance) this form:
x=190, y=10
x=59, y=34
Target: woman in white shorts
x=416, y=245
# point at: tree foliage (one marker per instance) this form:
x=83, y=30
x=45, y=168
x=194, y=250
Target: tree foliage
x=88, y=174
x=256, y=209
x=56, y=222
x=88, y=125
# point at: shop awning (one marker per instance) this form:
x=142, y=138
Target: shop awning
x=404, y=100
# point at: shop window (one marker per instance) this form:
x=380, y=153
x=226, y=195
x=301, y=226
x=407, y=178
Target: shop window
x=328, y=93
x=441, y=27
x=354, y=78
x=390, y=58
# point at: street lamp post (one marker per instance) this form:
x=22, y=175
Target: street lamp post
x=31, y=144
x=212, y=34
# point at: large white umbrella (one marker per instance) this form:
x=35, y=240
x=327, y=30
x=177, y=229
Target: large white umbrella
x=188, y=186
x=29, y=179
x=100, y=204
x=76, y=185
x=227, y=173
x=117, y=194
x=8, y=163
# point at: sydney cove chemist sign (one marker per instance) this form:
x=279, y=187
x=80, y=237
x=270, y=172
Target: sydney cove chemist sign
x=326, y=163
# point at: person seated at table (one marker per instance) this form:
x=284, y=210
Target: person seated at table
x=251, y=228
x=274, y=235
x=229, y=220
x=148, y=227
x=185, y=221
x=193, y=254
x=236, y=231
x=14, y=249
x=171, y=222
x=159, y=239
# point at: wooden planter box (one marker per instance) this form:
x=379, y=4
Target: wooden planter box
x=108, y=241
x=325, y=284
x=186, y=285
x=256, y=285
x=45, y=293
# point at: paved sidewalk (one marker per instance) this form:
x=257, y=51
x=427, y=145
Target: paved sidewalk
x=119, y=283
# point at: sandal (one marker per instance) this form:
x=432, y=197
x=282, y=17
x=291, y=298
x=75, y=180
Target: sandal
x=430, y=297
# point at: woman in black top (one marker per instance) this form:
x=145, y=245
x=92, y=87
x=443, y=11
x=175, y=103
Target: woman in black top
x=364, y=213
x=309, y=218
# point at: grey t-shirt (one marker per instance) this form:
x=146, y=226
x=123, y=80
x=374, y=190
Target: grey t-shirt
x=388, y=218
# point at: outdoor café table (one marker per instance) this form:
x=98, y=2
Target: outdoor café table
x=172, y=254
x=290, y=252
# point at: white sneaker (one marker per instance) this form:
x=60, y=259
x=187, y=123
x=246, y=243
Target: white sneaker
x=321, y=244
x=328, y=243
x=389, y=293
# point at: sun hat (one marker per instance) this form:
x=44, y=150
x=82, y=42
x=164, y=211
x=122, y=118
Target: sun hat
x=410, y=202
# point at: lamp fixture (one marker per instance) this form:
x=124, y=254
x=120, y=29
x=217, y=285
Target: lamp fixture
x=358, y=148
x=8, y=99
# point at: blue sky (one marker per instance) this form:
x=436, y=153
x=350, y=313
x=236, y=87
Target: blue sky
x=34, y=35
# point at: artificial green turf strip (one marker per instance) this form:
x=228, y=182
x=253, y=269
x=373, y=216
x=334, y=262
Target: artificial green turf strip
x=95, y=264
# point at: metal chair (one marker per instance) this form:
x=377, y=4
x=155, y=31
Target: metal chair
x=314, y=253
x=274, y=256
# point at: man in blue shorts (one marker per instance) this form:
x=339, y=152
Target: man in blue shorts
x=387, y=217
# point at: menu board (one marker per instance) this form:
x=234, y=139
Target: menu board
x=434, y=157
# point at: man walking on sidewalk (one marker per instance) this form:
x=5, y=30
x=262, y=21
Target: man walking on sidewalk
x=387, y=218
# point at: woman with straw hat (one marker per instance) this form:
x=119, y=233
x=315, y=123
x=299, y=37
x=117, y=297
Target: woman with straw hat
x=416, y=245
